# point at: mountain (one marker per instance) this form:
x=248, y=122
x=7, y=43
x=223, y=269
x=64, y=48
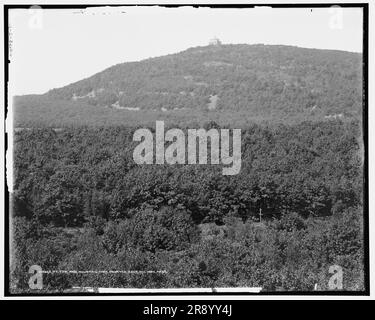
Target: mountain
x=226, y=83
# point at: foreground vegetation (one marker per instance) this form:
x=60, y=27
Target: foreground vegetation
x=81, y=203
x=286, y=254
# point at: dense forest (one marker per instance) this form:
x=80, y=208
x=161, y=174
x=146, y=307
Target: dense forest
x=228, y=83
x=79, y=202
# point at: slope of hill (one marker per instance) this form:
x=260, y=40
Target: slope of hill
x=227, y=83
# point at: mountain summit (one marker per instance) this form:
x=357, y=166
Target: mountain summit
x=250, y=81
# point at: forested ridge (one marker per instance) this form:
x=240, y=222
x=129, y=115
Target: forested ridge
x=81, y=203
x=228, y=83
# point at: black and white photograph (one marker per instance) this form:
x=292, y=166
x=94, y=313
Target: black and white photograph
x=186, y=149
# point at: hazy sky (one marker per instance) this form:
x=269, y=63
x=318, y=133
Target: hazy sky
x=52, y=48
